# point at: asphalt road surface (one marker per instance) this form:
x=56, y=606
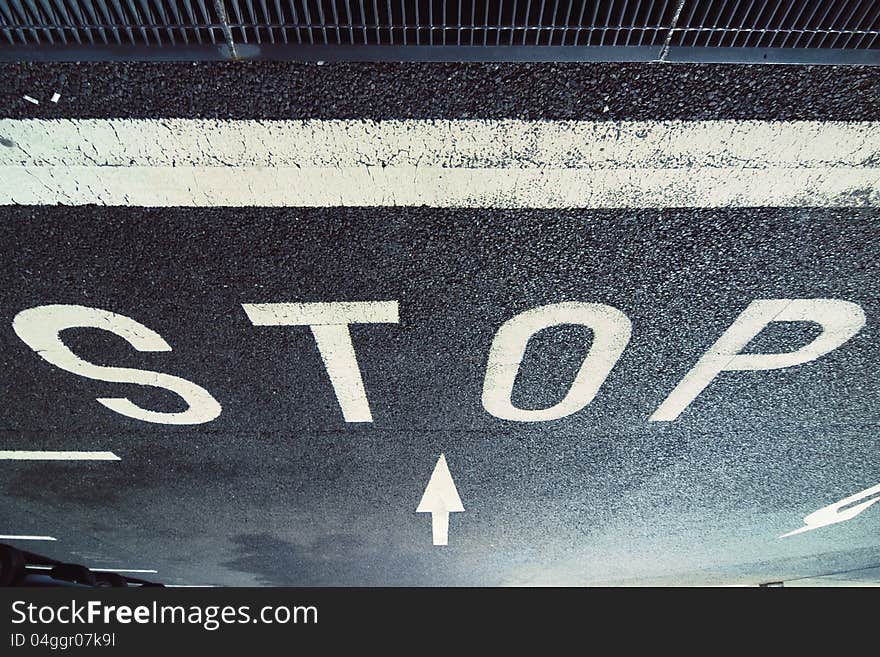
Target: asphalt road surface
x=289, y=454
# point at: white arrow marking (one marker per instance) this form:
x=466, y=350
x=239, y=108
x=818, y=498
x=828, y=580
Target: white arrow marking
x=831, y=514
x=440, y=499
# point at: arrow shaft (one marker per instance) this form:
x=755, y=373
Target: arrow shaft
x=440, y=527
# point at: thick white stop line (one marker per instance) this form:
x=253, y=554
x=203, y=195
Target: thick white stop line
x=439, y=163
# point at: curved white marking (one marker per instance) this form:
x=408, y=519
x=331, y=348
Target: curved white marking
x=832, y=514
x=40, y=329
x=611, y=333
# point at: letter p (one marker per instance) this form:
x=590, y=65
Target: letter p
x=840, y=320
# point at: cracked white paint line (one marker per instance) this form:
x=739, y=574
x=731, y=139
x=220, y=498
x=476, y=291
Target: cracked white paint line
x=439, y=163
x=24, y=455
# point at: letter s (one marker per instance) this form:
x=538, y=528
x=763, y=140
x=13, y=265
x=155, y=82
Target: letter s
x=39, y=328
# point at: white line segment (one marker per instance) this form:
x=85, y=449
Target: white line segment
x=440, y=163
x=6, y=455
x=17, y=537
x=105, y=570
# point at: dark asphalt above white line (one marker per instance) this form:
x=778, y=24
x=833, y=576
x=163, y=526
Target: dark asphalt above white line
x=286, y=90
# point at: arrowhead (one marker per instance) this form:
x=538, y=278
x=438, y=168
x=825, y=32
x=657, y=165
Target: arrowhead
x=440, y=494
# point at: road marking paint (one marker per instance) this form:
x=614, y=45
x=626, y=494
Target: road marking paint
x=611, y=332
x=18, y=537
x=329, y=323
x=31, y=100
x=834, y=513
x=6, y=455
x=105, y=570
x=840, y=320
x=440, y=499
x=40, y=328
x=441, y=163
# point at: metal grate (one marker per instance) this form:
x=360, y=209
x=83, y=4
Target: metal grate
x=779, y=24
x=807, y=24
x=452, y=22
x=129, y=22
